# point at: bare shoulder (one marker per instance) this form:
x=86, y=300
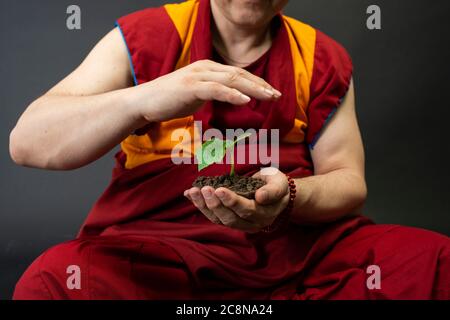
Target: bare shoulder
x=106, y=68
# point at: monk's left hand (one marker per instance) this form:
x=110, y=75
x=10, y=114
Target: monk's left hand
x=223, y=206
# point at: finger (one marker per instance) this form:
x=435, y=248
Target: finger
x=218, y=67
x=270, y=193
x=187, y=195
x=237, y=80
x=226, y=216
x=243, y=207
x=199, y=203
x=207, y=91
x=267, y=173
x=249, y=210
x=250, y=76
x=276, y=186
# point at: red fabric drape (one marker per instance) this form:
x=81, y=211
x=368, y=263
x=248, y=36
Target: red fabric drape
x=144, y=240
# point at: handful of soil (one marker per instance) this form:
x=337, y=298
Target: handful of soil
x=243, y=186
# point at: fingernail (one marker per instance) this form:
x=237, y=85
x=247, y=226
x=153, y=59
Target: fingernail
x=207, y=193
x=269, y=92
x=220, y=194
x=245, y=98
x=277, y=93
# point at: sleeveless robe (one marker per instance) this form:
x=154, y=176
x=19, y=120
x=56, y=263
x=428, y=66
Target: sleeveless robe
x=144, y=240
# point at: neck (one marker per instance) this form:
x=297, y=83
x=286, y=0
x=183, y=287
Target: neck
x=239, y=45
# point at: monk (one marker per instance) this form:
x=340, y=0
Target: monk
x=225, y=64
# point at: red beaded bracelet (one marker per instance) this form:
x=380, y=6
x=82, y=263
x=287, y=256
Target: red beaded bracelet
x=283, y=217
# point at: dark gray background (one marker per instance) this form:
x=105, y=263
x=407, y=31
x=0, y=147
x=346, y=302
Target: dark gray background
x=402, y=83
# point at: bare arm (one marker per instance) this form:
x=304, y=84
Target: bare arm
x=82, y=117
x=336, y=190
x=338, y=187
x=94, y=108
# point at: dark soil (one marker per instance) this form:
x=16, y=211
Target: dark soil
x=243, y=186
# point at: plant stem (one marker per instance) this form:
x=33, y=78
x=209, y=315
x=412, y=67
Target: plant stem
x=232, y=161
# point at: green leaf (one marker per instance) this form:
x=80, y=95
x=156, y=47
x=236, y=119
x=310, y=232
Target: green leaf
x=212, y=151
x=242, y=137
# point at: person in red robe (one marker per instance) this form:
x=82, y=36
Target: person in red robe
x=151, y=235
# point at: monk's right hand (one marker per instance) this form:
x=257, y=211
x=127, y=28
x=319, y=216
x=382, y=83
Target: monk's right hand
x=182, y=92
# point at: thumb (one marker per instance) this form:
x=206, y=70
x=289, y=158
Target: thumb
x=276, y=186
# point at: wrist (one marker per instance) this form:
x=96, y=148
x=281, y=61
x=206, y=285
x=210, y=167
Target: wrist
x=284, y=217
x=136, y=107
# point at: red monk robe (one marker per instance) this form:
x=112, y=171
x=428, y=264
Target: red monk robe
x=144, y=240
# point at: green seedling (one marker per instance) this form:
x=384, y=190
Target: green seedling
x=214, y=150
